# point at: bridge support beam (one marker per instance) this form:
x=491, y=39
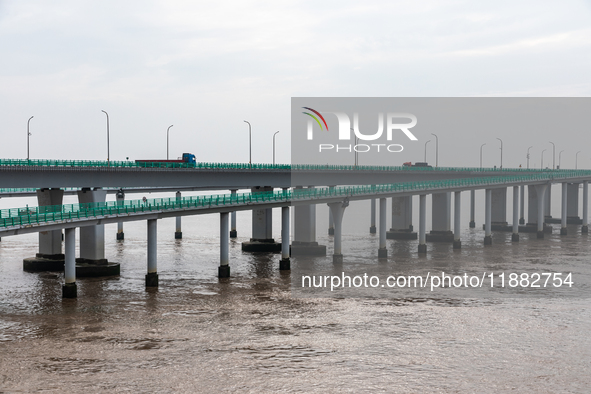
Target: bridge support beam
x=152, y=275
x=472, y=208
x=533, y=206
x=401, y=219
x=330, y=223
x=284, y=264
x=382, y=251
x=178, y=234
x=541, y=192
x=69, y=289
x=338, y=210
x=522, y=204
x=548, y=204
x=92, y=261
x=572, y=204
x=516, y=220
x=120, y=201
x=224, y=268
x=262, y=228
x=499, y=209
x=372, y=226
x=457, y=211
x=233, y=232
x=441, y=218
x=488, y=217
x=563, y=206
x=585, y=227
x=422, y=223
x=304, y=242
x=50, y=257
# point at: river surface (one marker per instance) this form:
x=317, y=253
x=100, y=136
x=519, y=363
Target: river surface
x=252, y=333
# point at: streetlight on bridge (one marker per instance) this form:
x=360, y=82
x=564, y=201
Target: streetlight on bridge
x=28, y=135
x=436, y=150
x=560, y=158
x=528, y=155
x=167, y=130
x=274, y=147
x=501, y=152
x=108, y=148
x=249, y=143
x=577, y=160
x=542, y=161
x=553, y=154
x=481, y=154
x=425, y=159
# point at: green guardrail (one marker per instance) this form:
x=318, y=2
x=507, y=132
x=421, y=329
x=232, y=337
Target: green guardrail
x=254, y=166
x=37, y=215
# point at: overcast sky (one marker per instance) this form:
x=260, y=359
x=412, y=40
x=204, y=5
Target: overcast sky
x=207, y=66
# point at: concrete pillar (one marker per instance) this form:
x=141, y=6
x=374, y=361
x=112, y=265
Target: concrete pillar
x=304, y=242
x=233, y=232
x=224, y=268
x=284, y=264
x=69, y=289
x=330, y=218
x=262, y=228
x=152, y=275
x=401, y=219
x=457, y=210
x=338, y=209
x=548, y=202
x=382, y=251
x=522, y=205
x=422, y=223
x=541, y=192
x=372, y=226
x=563, y=202
x=499, y=208
x=472, y=208
x=488, y=217
x=441, y=218
x=178, y=234
x=50, y=242
x=532, y=209
x=515, y=235
x=92, y=238
x=572, y=204
x=585, y=228
x=120, y=201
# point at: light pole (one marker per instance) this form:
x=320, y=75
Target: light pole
x=108, y=148
x=249, y=143
x=28, y=135
x=559, y=157
x=425, y=160
x=542, y=163
x=167, y=132
x=481, y=154
x=356, y=157
x=553, y=154
x=528, y=155
x=274, y=147
x=577, y=160
x=501, y=152
x=436, y=150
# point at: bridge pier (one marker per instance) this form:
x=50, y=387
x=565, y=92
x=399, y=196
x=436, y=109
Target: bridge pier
x=548, y=205
x=224, y=268
x=572, y=204
x=50, y=257
x=488, y=217
x=563, y=202
x=262, y=228
x=330, y=223
x=304, y=242
x=92, y=261
x=441, y=218
x=70, y=289
x=541, y=192
x=382, y=251
x=401, y=219
x=533, y=206
x=522, y=204
x=585, y=227
x=338, y=209
x=372, y=226
x=233, y=232
x=457, y=210
x=472, y=208
x=284, y=264
x=178, y=234
x=120, y=201
x=152, y=275
x=422, y=223
x=516, y=220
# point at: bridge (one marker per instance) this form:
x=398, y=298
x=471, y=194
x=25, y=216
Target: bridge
x=314, y=184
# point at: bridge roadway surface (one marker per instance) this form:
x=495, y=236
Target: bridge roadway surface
x=34, y=219
x=214, y=176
